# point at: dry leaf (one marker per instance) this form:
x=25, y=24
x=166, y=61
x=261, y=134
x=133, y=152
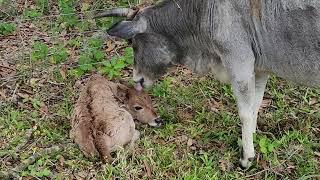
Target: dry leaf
x=264, y=164
x=61, y=161
x=317, y=153
x=2, y=94
x=43, y=109
x=147, y=168
x=81, y=175
x=27, y=178
x=313, y=101
x=214, y=105
x=23, y=95
x=190, y=142
x=63, y=72
x=71, y=177
x=225, y=165
x=33, y=82
x=5, y=64
x=265, y=103
x=110, y=46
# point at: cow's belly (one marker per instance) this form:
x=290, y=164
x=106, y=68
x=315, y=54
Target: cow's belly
x=219, y=72
x=308, y=75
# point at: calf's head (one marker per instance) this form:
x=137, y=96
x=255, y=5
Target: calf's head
x=153, y=52
x=139, y=105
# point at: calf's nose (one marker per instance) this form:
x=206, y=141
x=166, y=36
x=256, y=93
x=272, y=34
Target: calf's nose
x=159, y=121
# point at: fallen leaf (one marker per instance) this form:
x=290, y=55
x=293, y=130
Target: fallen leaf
x=110, y=46
x=264, y=164
x=23, y=95
x=71, y=177
x=43, y=109
x=190, y=142
x=265, y=103
x=185, y=114
x=181, y=139
x=147, y=168
x=27, y=178
x=313, y=101
x=4, y=63
x=317, y=153
x=81, y=175
x=214, y=106
x=33, y=82
x=85, y=6
x=63, y=71
x=225, y=165
x=61, y=161
x=2, y=94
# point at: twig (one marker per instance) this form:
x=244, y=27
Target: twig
x=27, y=138
x=271, y=168
x=14, y=92
x=257, y=173
x=6, y=67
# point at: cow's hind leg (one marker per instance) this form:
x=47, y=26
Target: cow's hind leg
x=260, y=84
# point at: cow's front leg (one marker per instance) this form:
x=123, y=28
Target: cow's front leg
x=244, y=90
x=243, y=84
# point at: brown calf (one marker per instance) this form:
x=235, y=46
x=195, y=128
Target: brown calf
x=102, y=119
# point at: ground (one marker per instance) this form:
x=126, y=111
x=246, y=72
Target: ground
x=47, y=47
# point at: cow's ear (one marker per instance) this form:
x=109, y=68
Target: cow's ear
x=127, y=29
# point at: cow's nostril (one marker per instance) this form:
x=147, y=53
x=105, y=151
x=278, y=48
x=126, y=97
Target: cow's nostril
x=140, y=81
x=159, y=121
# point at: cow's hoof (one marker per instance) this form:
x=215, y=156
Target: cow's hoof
x=246, y=163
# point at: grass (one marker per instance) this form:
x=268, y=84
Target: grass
x=200, y=139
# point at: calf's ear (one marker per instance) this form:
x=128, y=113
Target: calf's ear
x=127, y=29
x=122, y=93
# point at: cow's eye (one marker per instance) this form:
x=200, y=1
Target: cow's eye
x=138, y=108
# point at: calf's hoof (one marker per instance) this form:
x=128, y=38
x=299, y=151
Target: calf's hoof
x=246, y=163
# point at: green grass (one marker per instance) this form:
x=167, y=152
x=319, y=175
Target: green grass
x=201, y=136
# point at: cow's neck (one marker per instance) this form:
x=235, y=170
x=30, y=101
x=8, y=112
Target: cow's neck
x=179, y=20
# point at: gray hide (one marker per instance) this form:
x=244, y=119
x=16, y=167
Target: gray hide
x=239, y=41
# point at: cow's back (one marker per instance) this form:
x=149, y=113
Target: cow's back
x=290, y=39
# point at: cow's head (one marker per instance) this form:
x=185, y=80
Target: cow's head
x=153, y=52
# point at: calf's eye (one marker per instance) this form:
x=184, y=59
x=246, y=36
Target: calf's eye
x=138, y=108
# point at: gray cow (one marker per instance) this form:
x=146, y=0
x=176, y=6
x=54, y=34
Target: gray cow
x=239, y=41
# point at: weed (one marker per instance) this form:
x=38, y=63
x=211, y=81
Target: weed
x=32, y=13
x=59, y=54
x=39, y=51
x=68, y=19
x=266, y=145
x=42, y=5
x=38, y=169
x=7, y=28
